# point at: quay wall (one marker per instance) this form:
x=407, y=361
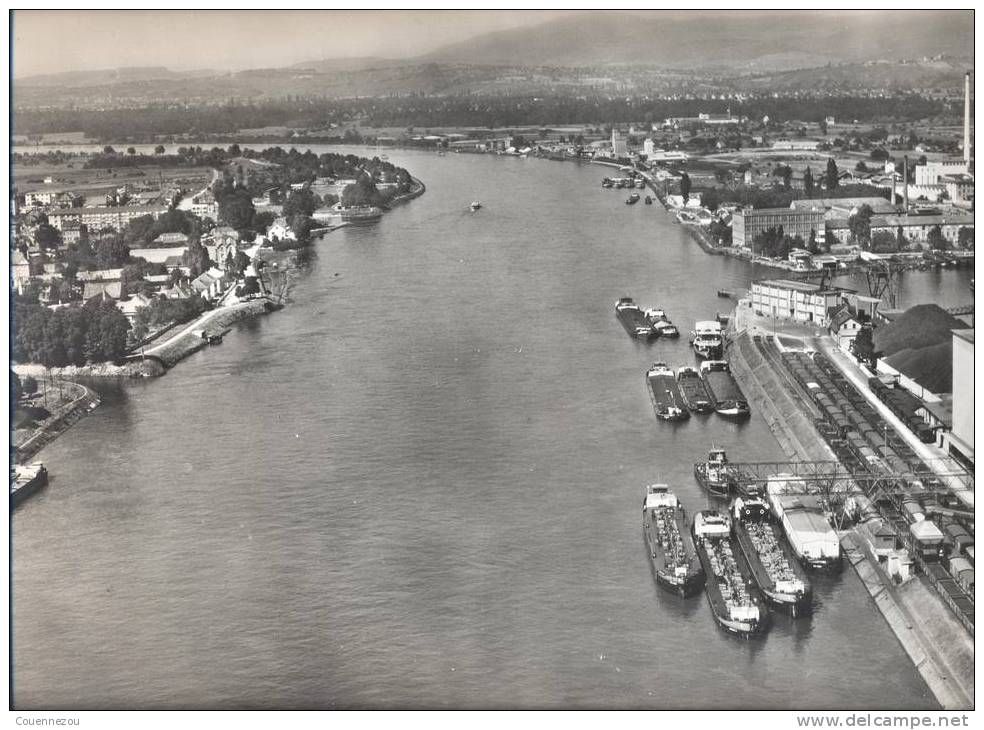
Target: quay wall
x=61, y=420
x=939, y=647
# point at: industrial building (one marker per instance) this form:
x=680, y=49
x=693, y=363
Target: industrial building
x=749, y=223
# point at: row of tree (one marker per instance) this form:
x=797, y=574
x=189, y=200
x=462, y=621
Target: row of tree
x=96, y=332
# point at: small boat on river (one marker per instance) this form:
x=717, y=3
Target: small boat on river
x=716, y=475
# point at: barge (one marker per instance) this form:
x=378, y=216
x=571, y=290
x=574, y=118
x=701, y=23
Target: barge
x=716, y=475
x=695, y=395
x=735, y=601
x=634, y=319
x=665, y=393
x=770, y=558
x=723, y=389
x=661, y=323
x=26, y=480
x=801, y=515
x=707, y=339
x=670, y=544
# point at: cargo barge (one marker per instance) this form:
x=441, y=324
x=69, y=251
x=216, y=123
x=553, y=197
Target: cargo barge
x=665, y=394
x=727, y=397
x=734, y=599
x=661, y=323
x=671, y=547
x=634, y=319
x=813, y=540
x=25, y=481
x=707, y=339
x=695, y=395
x=716, y=475
x=770, y=558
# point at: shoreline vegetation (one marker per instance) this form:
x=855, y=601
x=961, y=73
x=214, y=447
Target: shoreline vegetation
x=274, y=265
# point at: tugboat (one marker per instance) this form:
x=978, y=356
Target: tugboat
x=735, y=601
x=671, y=546
x=813, y=540
x=770, y=558
x=607, y=183
x=661, y=323
x=633, y=319
x=632, y=199
x=475, y=205
x=665, y=394
x=707, y=339
x=716, y=475
x=25, y=481
x=728, y=399
x=694, y=393
x=724, y=293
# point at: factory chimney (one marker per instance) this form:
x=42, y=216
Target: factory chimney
x=905, y=182
x=966, y=140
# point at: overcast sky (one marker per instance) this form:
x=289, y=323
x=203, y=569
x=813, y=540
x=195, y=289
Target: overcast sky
x=52, y=41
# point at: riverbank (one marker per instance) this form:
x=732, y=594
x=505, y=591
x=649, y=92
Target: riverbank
x=939, y=647
x=60, y=420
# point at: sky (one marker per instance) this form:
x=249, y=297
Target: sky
x=52, y=41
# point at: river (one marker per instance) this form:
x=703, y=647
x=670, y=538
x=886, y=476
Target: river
x=419, y=485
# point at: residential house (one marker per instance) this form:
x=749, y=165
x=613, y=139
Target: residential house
x=158, y=255
x=131, y=305
x=279, y=230
x=210, y=284
x=844, y=327
x=20, y=268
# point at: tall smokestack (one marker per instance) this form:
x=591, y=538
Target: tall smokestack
x=966, y=149
x=905, y=182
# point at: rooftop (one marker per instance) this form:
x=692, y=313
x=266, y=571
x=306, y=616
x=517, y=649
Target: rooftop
x=801, y=286
x=966, y=334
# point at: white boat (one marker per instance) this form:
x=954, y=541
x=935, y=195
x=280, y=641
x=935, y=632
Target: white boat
x=707, y=339
x=803, y=520
x=475, y=205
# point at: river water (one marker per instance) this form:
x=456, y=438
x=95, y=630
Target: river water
x=419, y=485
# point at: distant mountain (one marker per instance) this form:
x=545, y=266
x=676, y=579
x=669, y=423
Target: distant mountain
x=784, y=39
x=362, y=63
x=103, y=77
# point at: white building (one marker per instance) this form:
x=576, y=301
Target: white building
x=799, y=300
x=280, y=230
x=931, y=172
x=619, y=147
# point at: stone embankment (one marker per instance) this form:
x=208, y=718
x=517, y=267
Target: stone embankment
x=939, y=647
x=59, y=421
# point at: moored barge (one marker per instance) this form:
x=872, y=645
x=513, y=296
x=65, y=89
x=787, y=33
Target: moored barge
x=694, y=392
x=670, y=544
x=770, y=558
x=723, y=389
x=801, y=515
x=661, y=323
x=665, y=393
x=634, y=319
x=734, y=599
x=25, y=480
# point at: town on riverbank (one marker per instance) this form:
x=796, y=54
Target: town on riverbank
x=126, y=276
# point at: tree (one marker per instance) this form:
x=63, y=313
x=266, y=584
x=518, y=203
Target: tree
x=884, y=242
x=936, y=240
x=901, y=242
x=300, y=202
x=685, y=187
x=861, y=167
x=965, y=237
x=863, y=347
x=131, y=150
x=47, y=236
x=860, y=226
x=107, y=150
x=808, y=182
x=812, y=246
x=879, y=154
x=196, y=258
x=159, y=149
x=237, y=209
x=830, y=179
